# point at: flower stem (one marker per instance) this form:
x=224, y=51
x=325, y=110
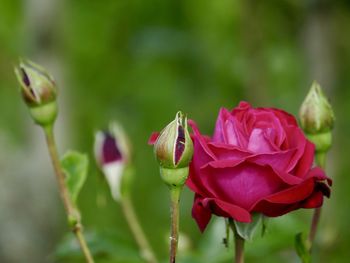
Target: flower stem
x=314, y=224
x=72, y=213
x=239, y=247
x=140, y=237
x=175, y=193
x=320, y=159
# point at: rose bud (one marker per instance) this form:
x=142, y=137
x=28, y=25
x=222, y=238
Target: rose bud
x=317, y=118
x=173, y=150
x=174, y=147
x=257, y=160
x=112, y=153
x=39, y=92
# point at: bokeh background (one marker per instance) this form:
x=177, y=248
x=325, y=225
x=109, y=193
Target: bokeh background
x=139, y=62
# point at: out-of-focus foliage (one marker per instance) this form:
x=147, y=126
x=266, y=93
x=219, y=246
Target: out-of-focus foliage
x=139, y=62
x=75, y=166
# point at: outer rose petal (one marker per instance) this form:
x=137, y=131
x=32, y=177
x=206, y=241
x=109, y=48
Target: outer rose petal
x=153, y=138
x=202, y=155
x=308, y=194
x=241, y=182
x=200, y=138
x=291, y=195
x=204, y=207
x=314, y=201
x=305, y=161
x=201, y=214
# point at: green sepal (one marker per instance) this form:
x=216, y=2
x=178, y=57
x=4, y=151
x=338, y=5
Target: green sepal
x=44, y=115
x=264, y=223
x=75, y=166
x=247, y=230
x=226, y=239
x=174, y=177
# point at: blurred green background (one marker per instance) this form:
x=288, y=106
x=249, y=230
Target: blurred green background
x=139, y=62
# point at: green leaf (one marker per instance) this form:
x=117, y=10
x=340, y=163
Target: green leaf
x=75, y=166
x=302, y=247
x=247, y=230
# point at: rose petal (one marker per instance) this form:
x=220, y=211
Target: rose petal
x=305, y=161
x=201, y=139
x=314, y=201
x=195, y=183
x=272, y=126
x=319, y=174
x=201, y=156
x=285, y=177
x=240, y=183
x=293, y=194
x=219, y=126
x=153, y=138
x=285, y=117
x=203, y=207
x=235, y=134
x=201, y=214
x=258, y=142
x=280, y=161
x=274, y=210
x=227, y=152
x=323, y=188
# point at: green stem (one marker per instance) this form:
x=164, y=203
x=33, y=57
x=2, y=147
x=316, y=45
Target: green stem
x=239, y=248
x=320, y=159
x=175, y=193
x=136, y=229
x=72, y=213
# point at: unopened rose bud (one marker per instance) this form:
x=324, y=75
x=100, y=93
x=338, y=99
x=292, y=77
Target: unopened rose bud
x=112, y=153
x=173, y=150
x=39, y=92
x=316, y=114
x=317, y=118
x=174, y=147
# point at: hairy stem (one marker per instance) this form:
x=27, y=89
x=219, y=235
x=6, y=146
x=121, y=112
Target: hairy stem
x=174, y=237
x=72, y=213
x=314, y=225
x=239, y=247
x=320, y=159
x=136, y=229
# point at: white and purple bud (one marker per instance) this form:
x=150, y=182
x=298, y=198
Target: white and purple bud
x=112, y=153
x=38, y=91
x=173, y=150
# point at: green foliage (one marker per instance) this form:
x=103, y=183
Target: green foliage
x=75, y=166
x=302, y=247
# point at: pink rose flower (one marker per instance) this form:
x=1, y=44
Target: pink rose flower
x=258, y=160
